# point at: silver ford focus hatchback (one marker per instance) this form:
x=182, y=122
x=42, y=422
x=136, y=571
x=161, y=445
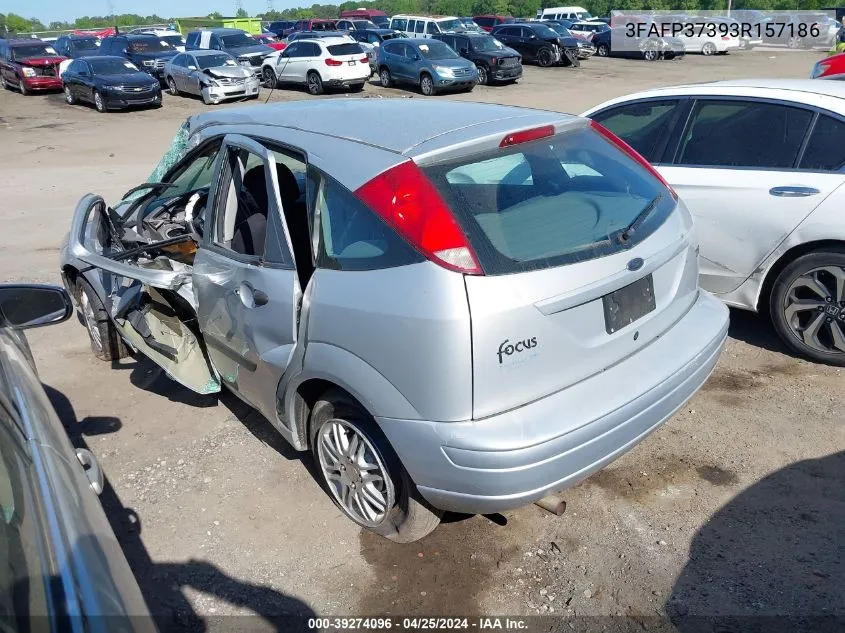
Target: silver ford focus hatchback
x=455, y=306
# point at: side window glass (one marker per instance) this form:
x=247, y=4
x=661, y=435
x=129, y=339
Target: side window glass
x=743, y=134
x=642, y=125
x=420, y=26
x=431, y=28
x=292, y=50
x=411, y=26
x=351, y=236
x=195, y=172
x=826, y=148
x=241, y=222
x=21, y=578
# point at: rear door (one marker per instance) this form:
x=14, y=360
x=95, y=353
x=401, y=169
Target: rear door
x=245, y=282
x=564, y=294
x=735, y=167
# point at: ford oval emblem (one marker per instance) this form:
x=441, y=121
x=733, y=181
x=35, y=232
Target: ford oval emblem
x=636, y=263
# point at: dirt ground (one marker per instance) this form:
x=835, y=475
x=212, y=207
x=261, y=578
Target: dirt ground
x=735, y=507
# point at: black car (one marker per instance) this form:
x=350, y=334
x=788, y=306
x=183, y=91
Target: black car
x=74, y=46
x=537, y=42
x=148, y=52
x=109, y=83
x=281, y=28
x=495, y=61
x=617, y=42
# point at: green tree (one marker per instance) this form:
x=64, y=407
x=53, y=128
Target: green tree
x=241, y=13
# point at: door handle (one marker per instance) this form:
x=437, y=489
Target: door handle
x=91, y=468
x=793, y=192
x=251, y=297
x=259, y=297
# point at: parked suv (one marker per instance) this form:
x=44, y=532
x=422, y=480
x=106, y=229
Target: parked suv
x=148, y=52
x=74, y=46
x=239, y=44
x=281, y=28
x=417, y=26
x=429, y=64
x=454, y=306
x=29, y=65
x=494, y=60
x=537, y=42
x=488, y=22
x=354, y=25
x=315, y=25
x=320, y=63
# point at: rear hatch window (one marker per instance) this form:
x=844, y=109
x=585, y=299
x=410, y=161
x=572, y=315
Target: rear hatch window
x=345, y=49
x=550, y=202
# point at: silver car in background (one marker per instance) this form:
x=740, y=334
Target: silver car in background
x=454, y=306
x=213, y=75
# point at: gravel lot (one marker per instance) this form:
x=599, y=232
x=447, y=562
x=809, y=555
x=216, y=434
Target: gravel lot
x=735, y=507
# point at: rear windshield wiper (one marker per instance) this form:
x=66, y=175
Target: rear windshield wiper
x=625, y=234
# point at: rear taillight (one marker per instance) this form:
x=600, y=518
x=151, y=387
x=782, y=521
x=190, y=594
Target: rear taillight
x=630, y=151
x=726, y=37
x=526, y=136
x=364, y=60
x=333, y=62
x=404, y=198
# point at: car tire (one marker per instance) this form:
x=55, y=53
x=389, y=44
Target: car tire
x=314, y=83
x=816, y=329
x=385, y=78
x=99, y=103
x=394, y=507
x=483, y=77
x=4, y=83
x=269, y=78
x=545, y=57
x=106, y=343
x=651, y=55
x=22, y=87
x=794, y=43
x=171, y=85
x=69, y=98
x=205, y=99
x=603, y=50
x=709, y=48
x=427, y=85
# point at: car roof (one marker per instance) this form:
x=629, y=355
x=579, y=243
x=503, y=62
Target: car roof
x=817, y=92
x=205, y=52
x=328, y=41
x=401, y=126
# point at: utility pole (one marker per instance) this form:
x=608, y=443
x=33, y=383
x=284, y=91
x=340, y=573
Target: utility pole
x=239, y=5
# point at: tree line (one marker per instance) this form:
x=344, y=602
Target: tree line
x=12, y=23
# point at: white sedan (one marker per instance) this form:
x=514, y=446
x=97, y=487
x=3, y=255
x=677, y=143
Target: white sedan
x=760, y=164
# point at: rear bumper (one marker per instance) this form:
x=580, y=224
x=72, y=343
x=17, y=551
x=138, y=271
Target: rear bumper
x=517, y=457
x=42, y=83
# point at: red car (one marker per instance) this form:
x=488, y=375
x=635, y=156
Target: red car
x=29, y=65
x=832, y=67
x=271, y=41
x=487, y=22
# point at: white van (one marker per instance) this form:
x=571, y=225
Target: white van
x=576, y=14
x=425, y=26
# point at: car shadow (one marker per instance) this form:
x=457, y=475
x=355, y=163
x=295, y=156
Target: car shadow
x=163, y=583
x=771, y=559
x=757, y=330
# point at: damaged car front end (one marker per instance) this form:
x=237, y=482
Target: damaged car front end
x=128, y=270
x=226, y=82
x=215, y=76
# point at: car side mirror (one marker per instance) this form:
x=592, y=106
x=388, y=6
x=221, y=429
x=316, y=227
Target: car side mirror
x=464, y=51
x=192, y=67
x=532, y=37
x=32, y=305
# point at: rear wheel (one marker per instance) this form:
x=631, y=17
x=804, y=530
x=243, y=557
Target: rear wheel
x=807, y=306
x=545, y=57
x=651, y=54
x=483, y=78
x=794, y=42
x=171, y=84
x=362, y=473
x=385, y=78
x=99, y=102
x=106, y=343
x=709, y=48
x=314, y=83
x=427, y=85
x=69, y=98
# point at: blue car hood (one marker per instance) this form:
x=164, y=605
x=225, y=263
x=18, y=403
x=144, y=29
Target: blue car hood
x=460, y=62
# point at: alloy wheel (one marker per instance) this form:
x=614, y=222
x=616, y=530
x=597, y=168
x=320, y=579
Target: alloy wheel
x=384, y=76
x=650, y=55
x=99, y=103
x=793, y=42
x=269, y=77
x=90, y=321
x=482, y=75
x=544, y=57
x=171, y=83
x=814, y=309
x=603, y=50
x=427, y=85
x=69, y=96
x=708, y=49
x=355, y=473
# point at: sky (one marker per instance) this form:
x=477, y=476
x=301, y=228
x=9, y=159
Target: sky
x=50, y=10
